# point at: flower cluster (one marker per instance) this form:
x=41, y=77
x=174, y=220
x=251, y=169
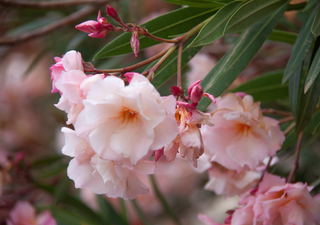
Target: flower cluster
x=117, y=127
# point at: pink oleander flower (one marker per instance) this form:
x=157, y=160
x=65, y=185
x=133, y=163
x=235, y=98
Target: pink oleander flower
x=72, y=60
x=109, y=174
x=189, y=141
x=241, y=136
x=127, y=120
x=24, y=213
x=277, y=202
x=95, y=29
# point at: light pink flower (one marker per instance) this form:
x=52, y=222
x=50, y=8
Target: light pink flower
x=112, y=175
x=241, y=137
x=24, y=213
x=72, y=60
x=277, y=202
x=127, y=120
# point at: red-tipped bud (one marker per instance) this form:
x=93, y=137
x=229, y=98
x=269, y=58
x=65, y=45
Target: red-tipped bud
x=192, y=85
x=135, y=43
x=129, y=76
x=175, y=90
x=196, y=93
x=99, y=34
x=112, y=13
x=95, y=29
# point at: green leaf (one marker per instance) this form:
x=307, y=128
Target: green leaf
x=172, y=23
x=266, y=87
x=61, y=190
x=313, y=72
x=198, y=3
x=214, y=28
x=300, y=48
x=47, y=161
x=67, y=217
x=251, y=13
x=237, y=58
x=313, y=123
x=294, y=92
x=283, y=36
x=108, y=214
x=310, y=5
x=307, y=105
x=169, y=67
x=315, y=29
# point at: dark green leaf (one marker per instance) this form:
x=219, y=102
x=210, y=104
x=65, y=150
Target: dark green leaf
x=313, y=123
x=214, y=28
x=172, y=23
x=251, y=13
x=300, y=48
x=198, y=3
x=47, y=161
x=169, y=67
x=237, y=58
x=315, y=29
x=52, y=171
x=61, y=190
x=266, y=87
x=294, y=92
x=108, y=214
x=283, y=36
x=313, y=72
x=310, y=5
x=67, y=217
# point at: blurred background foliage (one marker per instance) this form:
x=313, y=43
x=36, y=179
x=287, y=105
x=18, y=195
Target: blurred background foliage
x=31, y=165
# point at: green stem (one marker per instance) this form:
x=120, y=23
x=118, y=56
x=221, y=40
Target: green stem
x=123, y=210
x=140, y=213
x=179, y=83
x=163, y=201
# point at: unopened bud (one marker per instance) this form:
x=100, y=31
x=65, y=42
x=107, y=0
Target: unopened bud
x=175, y=90
x=135, y=43
x=196, y=93
x=129, y=76
x=192, y=85
x=241, y=94
x=113, y=13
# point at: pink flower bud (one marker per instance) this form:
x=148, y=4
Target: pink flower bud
x=99, y=34
x=113, y=13
x=192, y=85
x=135, y=43
x=241, y=94
x=95, y=29
x=175, y=90
x=129, y=76
x=196, y=93
x=158, y=154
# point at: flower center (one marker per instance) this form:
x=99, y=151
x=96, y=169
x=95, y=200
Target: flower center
x=127, y=116
x=244, y=129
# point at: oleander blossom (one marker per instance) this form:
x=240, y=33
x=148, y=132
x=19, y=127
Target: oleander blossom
x=127, y=120
x=73, y=84
x=275, y=202
x=112, y=175
x=241, y=136
x=23, y=213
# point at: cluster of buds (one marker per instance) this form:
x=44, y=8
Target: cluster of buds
x=100, y=28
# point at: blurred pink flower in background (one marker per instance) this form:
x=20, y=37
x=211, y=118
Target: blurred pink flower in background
x=24, y=213
x=241, y=137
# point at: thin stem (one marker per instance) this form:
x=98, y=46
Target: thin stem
x=296, y=161
x=179, y=83
x=140, y=213
x=286, y=119
x=50, y=4
x=50, y=27
x=123, y=210
x=265, y=170
x=160, y=39
x=289, y=128
x=276, y=112
x=129, y=68
x=163, y=201
x=159, y=63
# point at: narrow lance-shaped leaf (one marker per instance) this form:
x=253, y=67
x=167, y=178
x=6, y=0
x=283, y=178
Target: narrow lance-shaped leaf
x=172, y=23
x=313, y=72
x=251, y=13
x=198, y=3
x=309, y=100
x=266, y=87
x=300, y=48
x=214, y=28
x=237, y=58
x=310, y=5
x=294, y=92
x=315, y=29
x=283, y=36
